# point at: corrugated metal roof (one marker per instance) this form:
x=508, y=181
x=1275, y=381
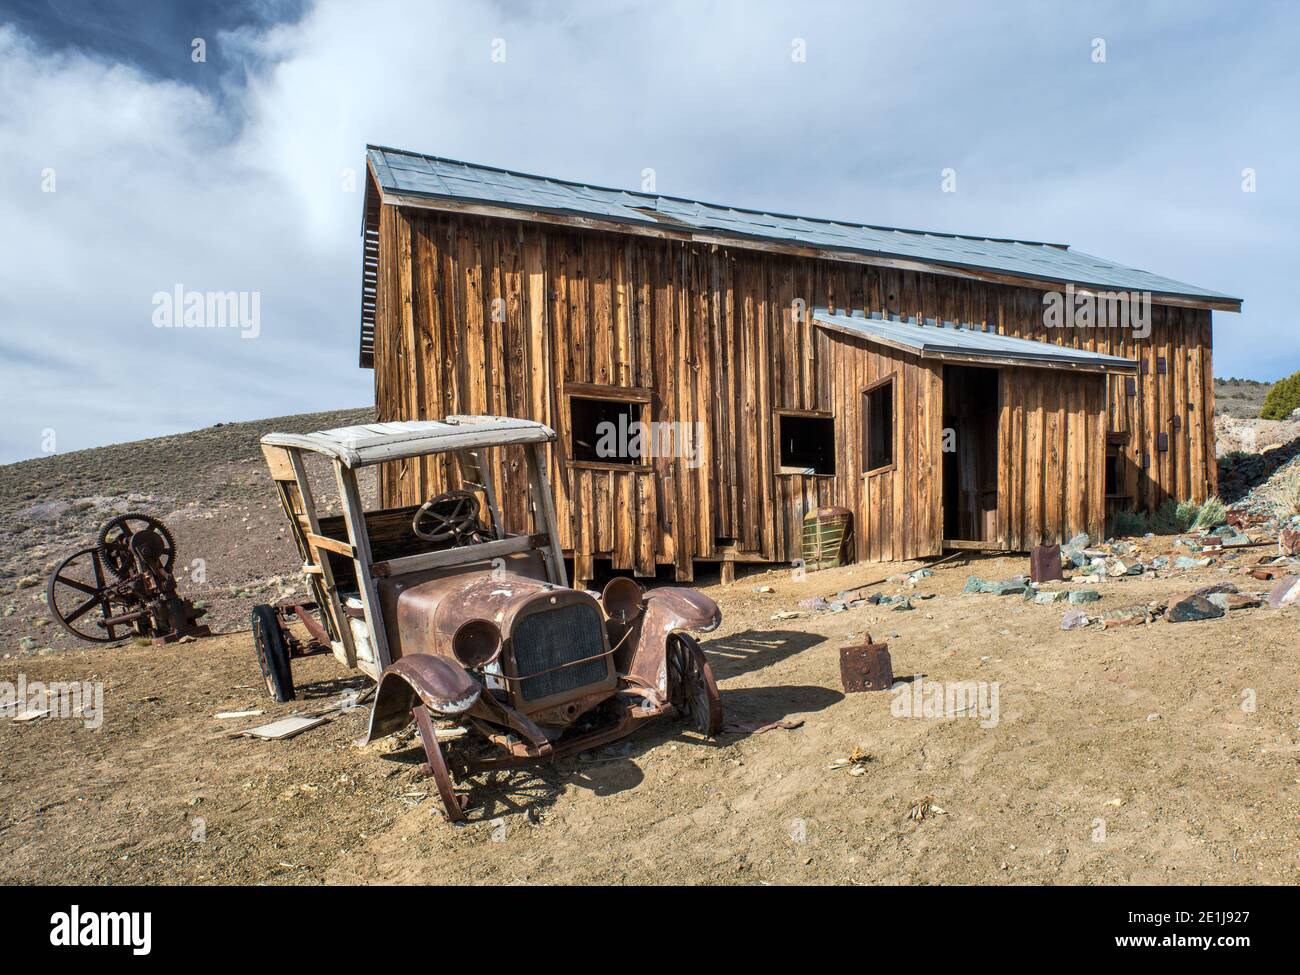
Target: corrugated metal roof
x=416, y=175
x=948, y=340
x=373, y=443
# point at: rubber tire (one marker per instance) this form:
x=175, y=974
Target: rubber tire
x=272, y=654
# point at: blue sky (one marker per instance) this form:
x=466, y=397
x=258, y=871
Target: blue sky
x=231, y=173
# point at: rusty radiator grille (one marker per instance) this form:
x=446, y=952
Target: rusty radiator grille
x=545, y=640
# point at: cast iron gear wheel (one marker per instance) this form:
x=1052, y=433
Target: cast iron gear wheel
x=116, y=533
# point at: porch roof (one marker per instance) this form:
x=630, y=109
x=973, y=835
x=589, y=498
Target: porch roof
x=930, y=339
x=374, y=443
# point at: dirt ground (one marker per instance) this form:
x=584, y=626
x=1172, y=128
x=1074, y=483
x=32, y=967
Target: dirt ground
x=1118, y=756
x=1123, y=755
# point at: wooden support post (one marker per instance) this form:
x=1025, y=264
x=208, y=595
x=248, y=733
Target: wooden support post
x=330, y=607
x=484, y=474
x=727, y=571
x=542, y=499
x=354, y=516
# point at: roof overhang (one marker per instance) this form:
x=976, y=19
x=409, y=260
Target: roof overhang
x=375, y=443
x=948, y=342
x=650, y=225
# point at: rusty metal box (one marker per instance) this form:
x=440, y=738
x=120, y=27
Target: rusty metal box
x=866, y=667
x=1045, y=563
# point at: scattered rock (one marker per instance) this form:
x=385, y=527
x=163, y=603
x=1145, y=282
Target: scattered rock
x=1285, y=592
x=1005, y=587
x=1047, y=598
x=1126, y=616
x=1080, y=596
x=1072, y=552
x=1190, y=609
x=1233, y=600
x=1074, y=620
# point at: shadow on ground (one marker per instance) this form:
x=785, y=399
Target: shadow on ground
x=751, y=650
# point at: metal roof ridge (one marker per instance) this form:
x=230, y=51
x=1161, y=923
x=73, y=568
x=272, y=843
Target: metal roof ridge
x=655, y=197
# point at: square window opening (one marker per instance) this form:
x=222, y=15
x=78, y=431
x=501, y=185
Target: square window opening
x=808, y=443
x=878, y=426
x=604, y=431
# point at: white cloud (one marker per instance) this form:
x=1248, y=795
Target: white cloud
x=159, y=183
x=149, y=193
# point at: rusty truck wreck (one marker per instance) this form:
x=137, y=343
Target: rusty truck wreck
x=468, y=625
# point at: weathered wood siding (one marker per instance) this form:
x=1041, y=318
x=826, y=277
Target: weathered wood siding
x=485, y=315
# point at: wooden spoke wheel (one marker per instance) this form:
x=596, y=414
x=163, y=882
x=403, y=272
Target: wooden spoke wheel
x=691, y=687
x=81, y=597
x=272, y=652
x=453, y=803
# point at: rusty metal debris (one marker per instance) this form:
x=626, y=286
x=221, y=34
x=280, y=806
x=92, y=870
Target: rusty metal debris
x=762, y=727
x=849, y=594
x=866, y=667
x=1045, y=563
x=123, y=586
x=923, y=809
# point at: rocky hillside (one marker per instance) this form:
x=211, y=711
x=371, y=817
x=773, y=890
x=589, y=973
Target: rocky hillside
x=210, y=487
x=1240, y=398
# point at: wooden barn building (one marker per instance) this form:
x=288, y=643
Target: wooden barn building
x=914, y=379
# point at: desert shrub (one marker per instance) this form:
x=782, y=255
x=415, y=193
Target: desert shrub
x=1170, y=519
x=1211, y=514
x=1282, y=398
x=1234, y=457
x=1129, y=523
x=1175, y=517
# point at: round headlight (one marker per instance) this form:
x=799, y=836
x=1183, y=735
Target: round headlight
x=476, y=643
x=623, y=599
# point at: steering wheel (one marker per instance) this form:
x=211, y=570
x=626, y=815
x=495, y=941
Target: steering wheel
x=452, y=514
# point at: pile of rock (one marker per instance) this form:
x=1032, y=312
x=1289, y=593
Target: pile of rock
x=1247, y=481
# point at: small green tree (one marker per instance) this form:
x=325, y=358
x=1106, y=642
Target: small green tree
x=1282, y=398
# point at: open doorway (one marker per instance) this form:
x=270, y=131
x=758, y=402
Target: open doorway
x=970, y=453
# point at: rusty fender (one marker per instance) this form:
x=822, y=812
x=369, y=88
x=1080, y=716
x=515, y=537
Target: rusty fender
x=441, y=684
x=668, y=611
